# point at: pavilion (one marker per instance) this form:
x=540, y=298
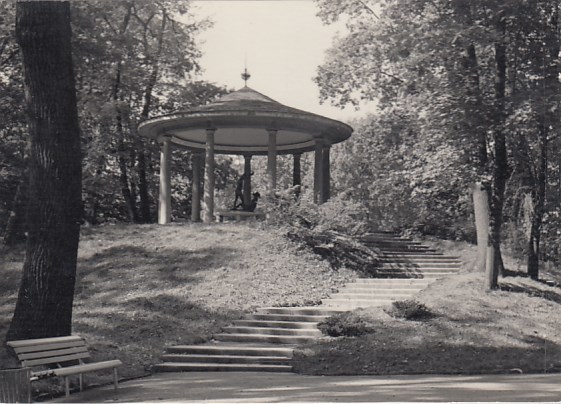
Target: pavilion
x=246, y=123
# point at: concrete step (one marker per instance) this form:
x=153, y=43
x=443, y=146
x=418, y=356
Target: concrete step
x=405, y=250
x=260, y=338
x=350, y=304
x=220, y=367
x=370, y=296
x=422, y=257
x=271, y=360
x=414, y=275
x=379, y=290
x=298, y=311
x=419, y=265
x=233, y=349
x=402, y=282
x=272, y=331
x=276, y=324
x=287, y=317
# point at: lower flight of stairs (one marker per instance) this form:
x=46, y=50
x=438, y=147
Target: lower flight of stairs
x=264, y=340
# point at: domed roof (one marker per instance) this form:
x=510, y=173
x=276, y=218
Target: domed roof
x=242, y=120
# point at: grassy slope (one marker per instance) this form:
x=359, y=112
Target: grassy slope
x=474, y=331
x=141, y=288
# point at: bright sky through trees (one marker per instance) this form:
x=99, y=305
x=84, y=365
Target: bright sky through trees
x=282, y=41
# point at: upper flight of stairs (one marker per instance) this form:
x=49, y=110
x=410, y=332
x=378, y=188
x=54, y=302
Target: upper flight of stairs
x=264, y=340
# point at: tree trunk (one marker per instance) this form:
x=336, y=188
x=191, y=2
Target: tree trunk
x=15, y=228
x=145, y=213
x=550, y=89
x=538, y=199
x=474, y=108
x=44, y=304
x=500, y=166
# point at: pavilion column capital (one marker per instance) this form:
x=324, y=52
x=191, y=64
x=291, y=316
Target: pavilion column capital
x=166, y=137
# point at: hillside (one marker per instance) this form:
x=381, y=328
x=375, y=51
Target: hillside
x=142, y=287
x=514, y=329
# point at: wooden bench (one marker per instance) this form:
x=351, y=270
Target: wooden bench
x=238, y=215
x=66, y=353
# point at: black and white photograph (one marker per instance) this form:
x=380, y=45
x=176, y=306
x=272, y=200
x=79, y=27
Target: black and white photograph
x=257, y=201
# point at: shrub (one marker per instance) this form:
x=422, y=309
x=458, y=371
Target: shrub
x=347, y=324
x=409, y=310
x=339, y=214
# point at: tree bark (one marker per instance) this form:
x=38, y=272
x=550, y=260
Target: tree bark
x=500, y=166
x=549, y=92
x=15, y=228
x=145, y=203
x=44, y=304
x=130, y=201
x=474, y=108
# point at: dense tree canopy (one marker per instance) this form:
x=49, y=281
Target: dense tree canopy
x=467, y=90
x=133, y=60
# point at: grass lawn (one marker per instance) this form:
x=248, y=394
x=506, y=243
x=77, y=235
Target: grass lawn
x=143, y=287
x=515, y=329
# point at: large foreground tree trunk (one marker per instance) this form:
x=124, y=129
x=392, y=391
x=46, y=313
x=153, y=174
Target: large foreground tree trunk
x=44, y=305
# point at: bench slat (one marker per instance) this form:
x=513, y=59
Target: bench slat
x=26, y=342
x=54, y=353
x=88, y=367
x=55, y=359
x=49, y=347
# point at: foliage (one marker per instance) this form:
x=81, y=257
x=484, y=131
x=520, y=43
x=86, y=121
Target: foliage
x=466, y=91
x=133, y=60
x=294, y=207
x=346, y=324
x=409, y=310
x=326, y=229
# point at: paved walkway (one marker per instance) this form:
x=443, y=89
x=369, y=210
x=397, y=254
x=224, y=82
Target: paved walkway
x=246, y=387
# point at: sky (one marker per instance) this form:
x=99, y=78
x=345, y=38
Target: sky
x=282, y=42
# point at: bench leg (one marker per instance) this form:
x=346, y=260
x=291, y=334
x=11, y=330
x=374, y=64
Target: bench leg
x=81, y=382
x=115, y=378
x=66, y=386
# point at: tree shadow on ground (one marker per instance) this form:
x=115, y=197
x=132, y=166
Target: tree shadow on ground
x=552, y=293
x=434, y=357
x=128, y=267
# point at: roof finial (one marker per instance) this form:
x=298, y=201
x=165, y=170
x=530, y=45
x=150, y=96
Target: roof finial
x=245, y=76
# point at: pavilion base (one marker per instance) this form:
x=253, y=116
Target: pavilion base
x=238, y=215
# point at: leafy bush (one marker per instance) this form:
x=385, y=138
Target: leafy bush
x=339, y=214
x=347, y=324
x=409, y=310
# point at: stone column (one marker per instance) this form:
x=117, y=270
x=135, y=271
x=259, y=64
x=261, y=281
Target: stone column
x=297, y=173
x=272, y=161
x=208, y=199
x=164, y=200
x=296, y=170
x=196, y=163
x=318, y=170
x=247, y=182
x=326, y=169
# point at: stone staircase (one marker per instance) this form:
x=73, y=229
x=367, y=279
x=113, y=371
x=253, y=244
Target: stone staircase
x=264, y=340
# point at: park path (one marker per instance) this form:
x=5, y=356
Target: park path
x=269, y=387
